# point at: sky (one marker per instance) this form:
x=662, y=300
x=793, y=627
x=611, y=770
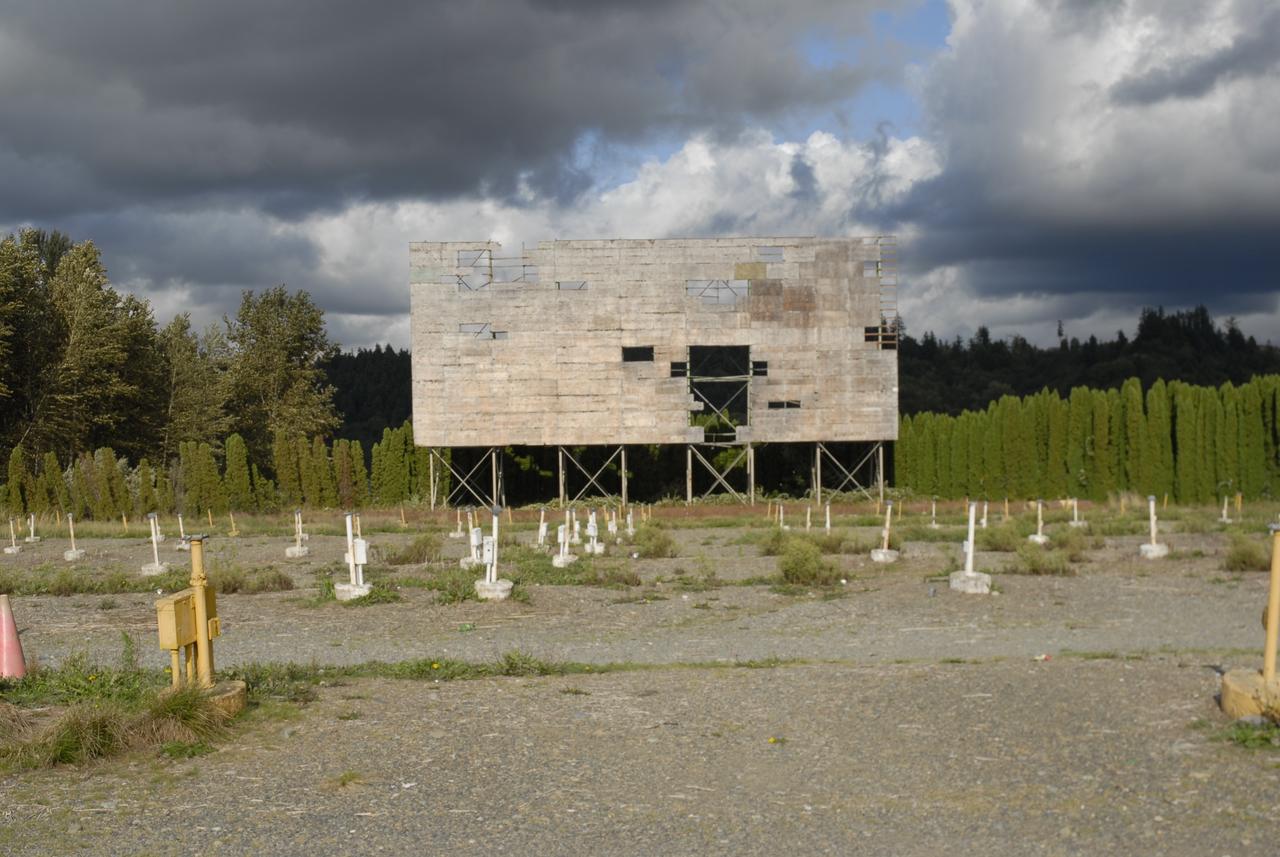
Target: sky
x=1040, y=160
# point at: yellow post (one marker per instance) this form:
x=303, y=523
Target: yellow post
x=125, y=518
x=1273, y=613
x=233, y=532
x=1239, y=503
x=204, y=651
x=1165, y=504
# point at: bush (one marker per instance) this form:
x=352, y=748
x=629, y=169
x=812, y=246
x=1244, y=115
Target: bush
x=1003, y=539
x=425, y=548
x=1245, y=554
x=653, y=543
x=1033, y=559
x=774, y=542
x=1072, y=542
x=801, y=563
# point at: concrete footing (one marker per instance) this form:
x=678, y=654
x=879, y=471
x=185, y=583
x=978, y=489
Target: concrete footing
x=32, y=539
x=972, y=583
x=182, y=545
x=597, y=549
x=499, y=590
x=350, y=591
x=1156, y=551
x=1077, y=523
x=468, y=562
x=229, y=697
x=12, y=549
x=563, y=561
x=153, y=568
x=1038, y=539
x=1245, y=694
x=73, y=555
x=884, y=555
x=296, y=551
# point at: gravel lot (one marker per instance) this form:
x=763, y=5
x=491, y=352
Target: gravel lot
x=917, y=721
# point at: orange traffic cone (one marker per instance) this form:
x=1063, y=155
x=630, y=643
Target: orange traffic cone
x=12, y=662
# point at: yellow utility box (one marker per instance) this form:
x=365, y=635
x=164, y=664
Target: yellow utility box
x=176, y=616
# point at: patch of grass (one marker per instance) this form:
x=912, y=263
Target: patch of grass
x=344, y=779
x=1072, y=542
x=379, y=593
x=107, y=604
x=350, y=715
x=642, y=598
x=47, y=579
x=1034, y=559
x=652, y=542
x=1252, y=736
x=234, y=580
x=185, y=750
x=574, y=691
x=801, y=563
x=1245, y=554
x=423, y=549
x=923, y=533
x=774, y=542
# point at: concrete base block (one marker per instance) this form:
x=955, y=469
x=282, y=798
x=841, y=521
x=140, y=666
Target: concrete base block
x=1245, y=694
x=563, y=561
x=468, y=562
x=32, y=539
x=1156, y=551
x=499, y=590
x=1224, y=520
x=1037, y=539
x=350, y=591
x=160, y=538
x=1077, y=523
x=182, y=545
x=934, y=525
x=597, y=549
x=229, y=697
x=153, y=568
x=884, y=555
x=72, y=556
x=975, y=583
x=296, y=552
x=12, y=549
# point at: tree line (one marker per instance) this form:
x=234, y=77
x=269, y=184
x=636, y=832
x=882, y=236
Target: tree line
x=308, y=472
x=1194, y=443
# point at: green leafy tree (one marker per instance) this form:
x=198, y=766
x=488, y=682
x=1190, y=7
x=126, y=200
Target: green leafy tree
x=277, y=343
x=16, y=485
x=1160, y=439
x=195, y=386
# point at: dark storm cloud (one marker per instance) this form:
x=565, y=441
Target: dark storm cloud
x=299, y=106
x=1254, y=52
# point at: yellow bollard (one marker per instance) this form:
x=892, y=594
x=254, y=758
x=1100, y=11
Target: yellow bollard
x=1239, y=503
x=1248, y=692
x=1165, y=505
x=233, y=532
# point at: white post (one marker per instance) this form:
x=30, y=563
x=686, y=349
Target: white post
x=631, y=524
x=933, y=515
x=970, y=581
x=13, y=540
x=1151, y=515
x=1040, y=518
x=888, y=522
x=31, y=527
x=968, y=556
x=984, y=514
x=182, y=530
x=542, y=526
x=808, y=522
x=491, y=573
x=351, y=549
x=1075, y=511
x=155, y=539
x=828, y=524
x=1225, y=519
x=71, y=527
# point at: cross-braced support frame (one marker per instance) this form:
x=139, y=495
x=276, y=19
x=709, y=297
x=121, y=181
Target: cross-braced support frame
x=850, y=479
x=470, y=483
x=719, y=477
x=593, y=479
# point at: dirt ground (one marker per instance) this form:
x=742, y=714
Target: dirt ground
x=1062, y=715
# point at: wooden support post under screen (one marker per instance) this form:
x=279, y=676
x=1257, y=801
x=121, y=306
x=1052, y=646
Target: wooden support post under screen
x=817, y=473
x=493, y=465
x=751, y=472
x=560, y=465
x=624, y=477
x=688, y=475
x=431, y=479
x=880, y=468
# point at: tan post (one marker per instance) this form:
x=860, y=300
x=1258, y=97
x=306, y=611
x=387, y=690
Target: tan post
x=125, y=518
x=204, y=651
x=1273, y=612
x=234, y=532
x=210, y=513
x=1239, y=503
x=888, y=520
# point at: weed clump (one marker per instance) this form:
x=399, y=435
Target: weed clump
x=1245, y=554
x=1003, y=539
x=1033, y=559
x=425, y=548
x=652, y=542
x=801, y=564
